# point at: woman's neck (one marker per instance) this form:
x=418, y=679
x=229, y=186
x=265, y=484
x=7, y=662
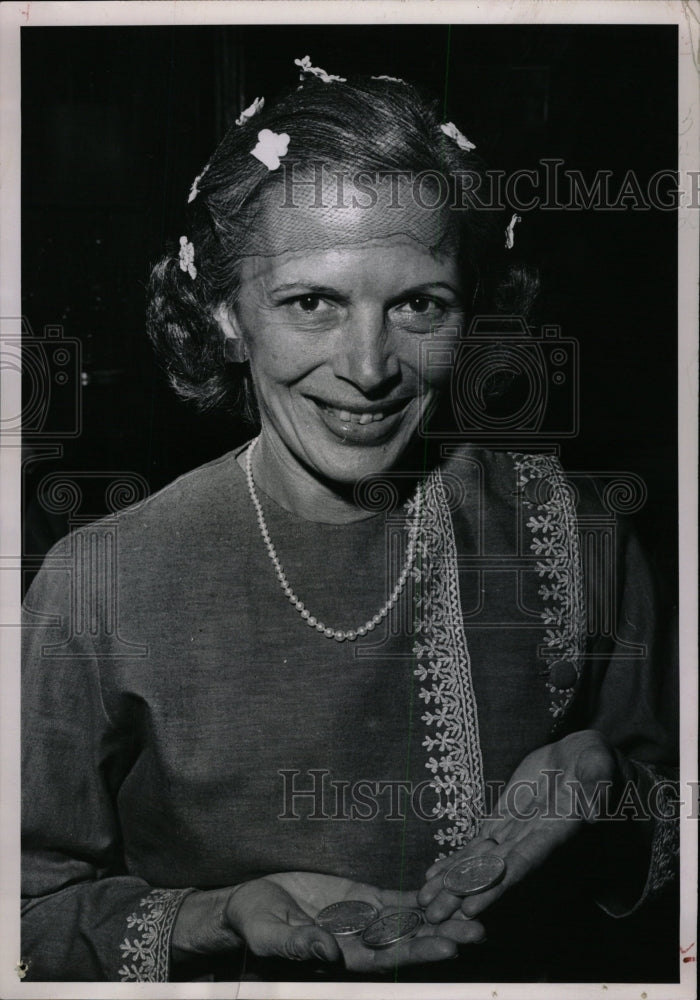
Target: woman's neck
x=288, y=483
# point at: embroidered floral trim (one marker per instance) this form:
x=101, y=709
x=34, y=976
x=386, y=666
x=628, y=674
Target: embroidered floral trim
x=555, y=541
x=666, y=844
x=455, y=752
x=147, y=956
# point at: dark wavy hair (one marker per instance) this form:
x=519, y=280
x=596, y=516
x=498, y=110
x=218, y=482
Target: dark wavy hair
x=365, y=124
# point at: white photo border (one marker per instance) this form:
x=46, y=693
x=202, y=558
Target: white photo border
x=13, y=16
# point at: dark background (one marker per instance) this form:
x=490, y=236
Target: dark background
x=116, y=122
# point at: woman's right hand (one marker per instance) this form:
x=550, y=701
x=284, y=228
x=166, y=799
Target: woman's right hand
x=274, y=917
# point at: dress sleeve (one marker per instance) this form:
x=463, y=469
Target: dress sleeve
x=633, y=701
x=83, y=916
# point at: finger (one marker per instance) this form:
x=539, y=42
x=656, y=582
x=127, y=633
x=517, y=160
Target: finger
x=397, y=899
x=480, y=845
x=459, y=929
x=443, y=905
x=437, y=902
x=306, y=943
x=440, y=866
x=517, y=867
x=415, y=952
x=430, y=892
x=497, y=828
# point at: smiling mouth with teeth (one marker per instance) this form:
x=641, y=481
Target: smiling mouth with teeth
x=355, y=418
x=360, y=417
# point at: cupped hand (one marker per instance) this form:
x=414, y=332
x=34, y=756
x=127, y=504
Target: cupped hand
x=543, y=805
x=275, y=916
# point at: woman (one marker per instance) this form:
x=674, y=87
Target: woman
x=265, y=690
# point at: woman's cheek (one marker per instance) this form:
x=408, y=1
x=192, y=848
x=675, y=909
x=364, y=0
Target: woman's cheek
x=276, y=359
x=289, y=352
x=435, y=353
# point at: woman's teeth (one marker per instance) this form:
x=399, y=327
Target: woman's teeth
x=356, y=418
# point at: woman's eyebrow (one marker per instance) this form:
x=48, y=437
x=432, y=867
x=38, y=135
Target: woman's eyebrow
x=309, y=287
x=427, y=286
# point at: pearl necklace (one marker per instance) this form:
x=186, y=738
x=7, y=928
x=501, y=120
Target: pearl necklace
x=339, y=634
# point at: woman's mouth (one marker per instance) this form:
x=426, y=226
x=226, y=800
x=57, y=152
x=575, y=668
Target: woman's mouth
x=361, y=425
x=354, y=417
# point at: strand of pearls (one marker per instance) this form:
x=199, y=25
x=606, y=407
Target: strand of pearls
x=338, y=634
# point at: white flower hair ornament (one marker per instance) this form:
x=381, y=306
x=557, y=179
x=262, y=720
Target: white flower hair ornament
x=452, y=132
x=187, y=257
x=194, y=190
x=510, y=231
x=308, y=70
x=252, y=110
x=271, y=146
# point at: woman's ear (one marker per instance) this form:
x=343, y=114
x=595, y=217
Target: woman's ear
x=234, y=347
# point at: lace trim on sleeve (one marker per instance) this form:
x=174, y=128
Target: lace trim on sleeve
x=147, y=954
x=665, y=847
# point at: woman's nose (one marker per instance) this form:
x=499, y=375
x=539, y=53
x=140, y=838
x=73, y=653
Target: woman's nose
x=365, y=355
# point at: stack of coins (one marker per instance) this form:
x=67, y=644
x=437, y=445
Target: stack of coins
x=353, y=916
x=392, y=927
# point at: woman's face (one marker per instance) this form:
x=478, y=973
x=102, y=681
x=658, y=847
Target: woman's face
x=336, y=340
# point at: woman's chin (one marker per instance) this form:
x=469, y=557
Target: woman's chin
x=346, y=451
x=343, y=452
x=348, y=463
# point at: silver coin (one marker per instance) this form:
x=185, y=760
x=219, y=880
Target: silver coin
x=472, y=875
x=392, y=928
x=349, y=916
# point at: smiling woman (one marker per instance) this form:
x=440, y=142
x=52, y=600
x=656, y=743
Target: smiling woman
x=237, y=772
x=330, y=271
x=333, y=340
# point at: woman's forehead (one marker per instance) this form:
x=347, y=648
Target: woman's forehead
x=337, y=209
x=385, y=265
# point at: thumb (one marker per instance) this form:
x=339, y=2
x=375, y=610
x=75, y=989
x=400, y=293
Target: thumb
x=308, y=942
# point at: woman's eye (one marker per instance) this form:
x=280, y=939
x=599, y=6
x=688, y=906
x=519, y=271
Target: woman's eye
x=421, y=307
x=309, y=303
x=310, y=309
x=421, y=304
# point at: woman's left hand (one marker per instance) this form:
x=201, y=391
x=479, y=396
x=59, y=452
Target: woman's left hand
x=541, y=807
